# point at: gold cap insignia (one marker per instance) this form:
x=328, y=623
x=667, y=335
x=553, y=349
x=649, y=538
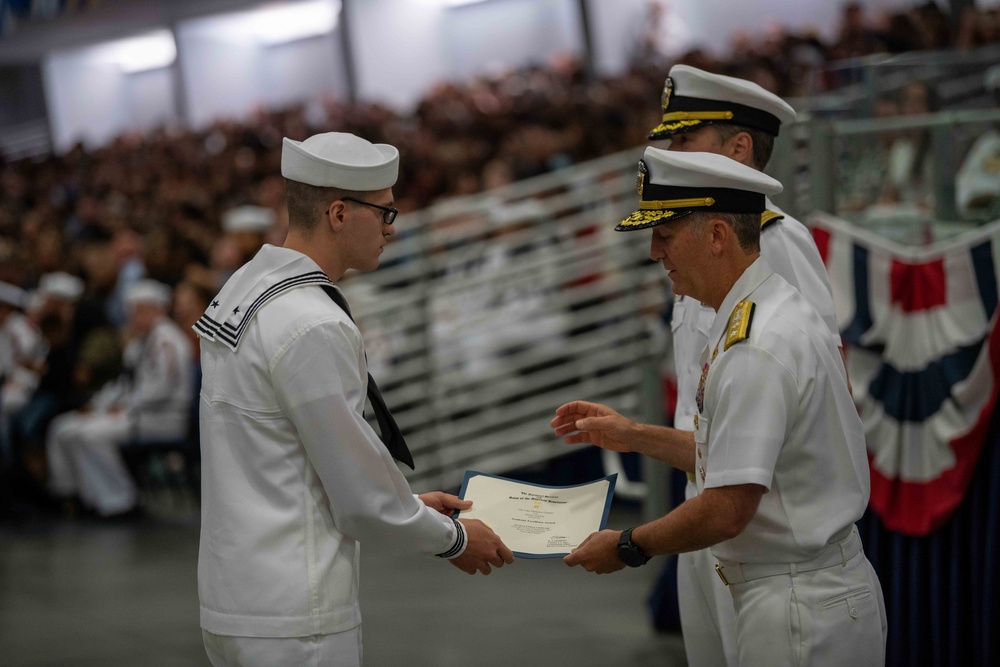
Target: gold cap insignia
x=641, y=177
x=668, y=89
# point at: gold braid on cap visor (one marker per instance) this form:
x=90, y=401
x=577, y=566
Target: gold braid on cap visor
x=676, y=120
x=645, y=218
x=697, y=115
x=660, y=204
x=662, y=209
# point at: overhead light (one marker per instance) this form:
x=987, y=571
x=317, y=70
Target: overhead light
x=459, y=3
x=287, y=23
x=142, y=53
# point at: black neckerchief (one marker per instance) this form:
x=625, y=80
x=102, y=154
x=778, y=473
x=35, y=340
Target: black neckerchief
x=391, y=436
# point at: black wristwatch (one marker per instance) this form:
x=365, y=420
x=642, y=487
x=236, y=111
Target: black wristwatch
x=629, y=552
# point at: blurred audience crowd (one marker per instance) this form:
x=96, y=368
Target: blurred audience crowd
x=186, y=208
x=795, y=63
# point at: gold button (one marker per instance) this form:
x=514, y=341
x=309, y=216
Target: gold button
x=699, y=452
x=701, y=470
x=696, y=421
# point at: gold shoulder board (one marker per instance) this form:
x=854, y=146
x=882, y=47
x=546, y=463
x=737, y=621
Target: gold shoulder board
x=768, y=217
x=739, y=323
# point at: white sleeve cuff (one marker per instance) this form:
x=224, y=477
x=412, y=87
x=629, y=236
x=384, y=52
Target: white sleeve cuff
x=458, y=547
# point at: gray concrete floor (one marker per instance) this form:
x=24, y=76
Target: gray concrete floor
x=82, y=593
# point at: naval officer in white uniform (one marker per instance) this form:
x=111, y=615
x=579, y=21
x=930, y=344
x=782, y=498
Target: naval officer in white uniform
x=778, y=452
x=294, y=479
x=705, y=112
x=752, y=119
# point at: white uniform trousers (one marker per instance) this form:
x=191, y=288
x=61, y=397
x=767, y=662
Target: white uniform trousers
x=832, y=616
x=339, y=649
x=84, y=459
x=708, y=619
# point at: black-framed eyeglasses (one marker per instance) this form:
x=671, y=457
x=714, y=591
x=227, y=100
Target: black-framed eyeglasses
x=388, y=214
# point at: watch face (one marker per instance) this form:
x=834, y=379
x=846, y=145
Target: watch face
x=630, y=556
x=629, y=553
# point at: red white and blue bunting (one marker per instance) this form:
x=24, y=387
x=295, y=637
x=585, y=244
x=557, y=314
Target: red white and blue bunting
x=921, y=331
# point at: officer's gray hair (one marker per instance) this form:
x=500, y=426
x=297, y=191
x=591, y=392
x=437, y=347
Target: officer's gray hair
x=746, y=226
x=763, y=142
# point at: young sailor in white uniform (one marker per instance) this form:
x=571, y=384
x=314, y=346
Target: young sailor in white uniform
x=293, y=476
x=778, y=452
x=150, y=402
x=22, y=358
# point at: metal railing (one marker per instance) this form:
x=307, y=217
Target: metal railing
x=844, y=167
x=26, y=140
x=491, y=311
x=956, y=78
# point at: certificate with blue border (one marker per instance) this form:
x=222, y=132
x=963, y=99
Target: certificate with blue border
x=534, y=520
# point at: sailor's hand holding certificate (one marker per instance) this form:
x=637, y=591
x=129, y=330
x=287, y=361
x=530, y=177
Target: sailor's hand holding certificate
x=538, y=521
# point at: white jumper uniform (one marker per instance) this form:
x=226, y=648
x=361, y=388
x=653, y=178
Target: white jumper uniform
x=293, y=477
x=776, y=411
x=708, y=621
x=155, y=405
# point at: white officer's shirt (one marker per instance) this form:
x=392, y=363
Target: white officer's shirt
x=293, y=475
x=789, y=248
x=777, y=412
x=690, y=324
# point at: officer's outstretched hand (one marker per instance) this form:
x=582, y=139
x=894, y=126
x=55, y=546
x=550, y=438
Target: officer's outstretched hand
x=598, y=553
x=483, y=549
x=582, y=421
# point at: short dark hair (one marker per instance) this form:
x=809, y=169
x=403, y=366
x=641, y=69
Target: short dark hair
x=745, y=225
x=763, y=142
x=306, y=203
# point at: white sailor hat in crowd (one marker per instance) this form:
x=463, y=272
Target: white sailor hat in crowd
x=340, y=160
x=673, y=184
x=991, y=80
x=61, y=285
x=693, y=98
x=148, y=291
x=248, y=219
x=12, y=295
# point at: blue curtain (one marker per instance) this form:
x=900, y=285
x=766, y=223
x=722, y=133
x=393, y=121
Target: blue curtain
x=941, y=591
